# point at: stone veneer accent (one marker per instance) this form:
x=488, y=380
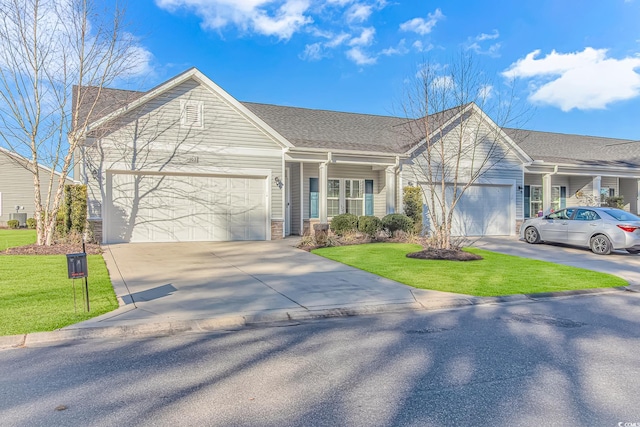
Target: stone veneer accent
x=518, y=225
x=96, y=226
x=307, y=226
x=277, y=229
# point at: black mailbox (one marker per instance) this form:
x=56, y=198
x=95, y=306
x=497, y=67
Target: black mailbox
x=77, y=265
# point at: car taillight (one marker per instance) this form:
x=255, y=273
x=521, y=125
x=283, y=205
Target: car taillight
x=628, y=228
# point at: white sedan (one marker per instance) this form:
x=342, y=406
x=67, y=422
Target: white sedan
x=601, y=229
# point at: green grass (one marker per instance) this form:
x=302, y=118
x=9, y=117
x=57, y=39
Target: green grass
x=35, y=293
x=497, y=274
x=13, y=238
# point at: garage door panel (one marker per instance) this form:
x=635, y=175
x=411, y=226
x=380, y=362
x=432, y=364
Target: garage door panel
x=164, y=208
x=483, y=210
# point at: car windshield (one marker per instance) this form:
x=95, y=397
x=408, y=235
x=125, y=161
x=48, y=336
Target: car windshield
x=621, y=215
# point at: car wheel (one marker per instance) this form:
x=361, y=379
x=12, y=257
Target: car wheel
x=600, y=245
x=531, y=235
x=633, y=251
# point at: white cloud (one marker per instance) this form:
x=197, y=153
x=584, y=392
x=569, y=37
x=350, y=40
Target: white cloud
x=365, y=38
x=420, y=47
x=400, y=49
x=582, y=80
x=282, y=21
x=359, y=57
x=443, y=83
x=422, y=26
x=485, y=92
x=312, y=52
x=337, y=40
x=475, y=44
x=358, y=13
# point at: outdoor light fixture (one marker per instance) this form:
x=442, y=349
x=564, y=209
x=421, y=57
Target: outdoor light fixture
x=279, y=182
x=519, y=187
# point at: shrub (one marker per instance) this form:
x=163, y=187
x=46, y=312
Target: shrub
x=412, y=200
x=343, y=223
x=13, y=223
x=397, y=222
x=31, y=223
x=614, y=202
x=369, y=225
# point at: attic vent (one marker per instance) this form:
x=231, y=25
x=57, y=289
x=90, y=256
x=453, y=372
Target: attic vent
x=191, y=113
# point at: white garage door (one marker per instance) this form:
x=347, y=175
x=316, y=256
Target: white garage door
x=177, y=208
x=484, y=210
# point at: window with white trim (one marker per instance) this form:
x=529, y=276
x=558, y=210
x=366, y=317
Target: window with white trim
x=345, y=196
x=191, y=113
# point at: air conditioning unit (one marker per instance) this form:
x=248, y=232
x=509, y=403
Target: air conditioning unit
x=21, y=217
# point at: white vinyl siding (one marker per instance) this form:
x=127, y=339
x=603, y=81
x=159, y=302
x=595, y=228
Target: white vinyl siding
x=151, y=138
x=16, y=188
x=346, y=171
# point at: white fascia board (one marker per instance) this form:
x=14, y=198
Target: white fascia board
x=195, y=74
x=304, y=150
x=582, y=170
x=195, y=170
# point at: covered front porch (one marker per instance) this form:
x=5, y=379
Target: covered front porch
x=321, y=184
x=550, y=187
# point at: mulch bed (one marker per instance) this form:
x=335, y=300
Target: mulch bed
x=445, y=254
x=56, y=249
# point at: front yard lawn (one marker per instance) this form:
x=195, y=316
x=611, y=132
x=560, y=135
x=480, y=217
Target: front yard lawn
x=13, y=238
x=36, y=294
x=495, y=275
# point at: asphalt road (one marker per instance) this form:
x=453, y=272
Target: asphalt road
x=566, y=361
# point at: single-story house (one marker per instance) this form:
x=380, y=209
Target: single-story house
x=185, y=161
x=16, y=187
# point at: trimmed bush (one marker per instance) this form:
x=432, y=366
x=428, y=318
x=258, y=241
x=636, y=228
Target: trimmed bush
x=13, y=223
x=397, y=222
x=369, y=225
x=344, y=223
x=31, y=223
x=614, y=202
x=412, y=200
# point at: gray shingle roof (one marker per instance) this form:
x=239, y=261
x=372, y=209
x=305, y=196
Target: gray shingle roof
x=332, y=130
x=108, y=101
x=577, y=149
x=329, y=130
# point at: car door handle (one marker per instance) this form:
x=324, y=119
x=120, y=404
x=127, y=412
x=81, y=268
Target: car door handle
x=593, y=225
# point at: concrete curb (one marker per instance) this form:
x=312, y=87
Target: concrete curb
x=235, y=322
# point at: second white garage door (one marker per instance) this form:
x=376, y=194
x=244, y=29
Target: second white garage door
x=483, y=210
x=179, y=208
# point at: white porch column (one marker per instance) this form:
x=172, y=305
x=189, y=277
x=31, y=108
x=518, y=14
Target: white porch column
x=546, y=193
x=391, y=189
x=638, y=200
x=597, y=180
x=323, y=192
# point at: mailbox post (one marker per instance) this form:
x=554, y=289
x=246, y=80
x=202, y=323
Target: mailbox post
x=77, y=269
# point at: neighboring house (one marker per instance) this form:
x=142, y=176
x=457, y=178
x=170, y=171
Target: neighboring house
x=578, y=170
x=186, y=161
x=16, y=186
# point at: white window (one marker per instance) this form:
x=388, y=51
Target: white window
x=345, y=196
x=191, y=114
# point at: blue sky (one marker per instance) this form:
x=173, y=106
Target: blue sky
x=577, y=63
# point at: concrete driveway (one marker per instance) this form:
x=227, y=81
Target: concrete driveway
x=619, y=263
x=165, y=282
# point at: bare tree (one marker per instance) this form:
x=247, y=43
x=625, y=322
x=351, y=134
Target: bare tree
x=46, y=48
x=454, y=142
